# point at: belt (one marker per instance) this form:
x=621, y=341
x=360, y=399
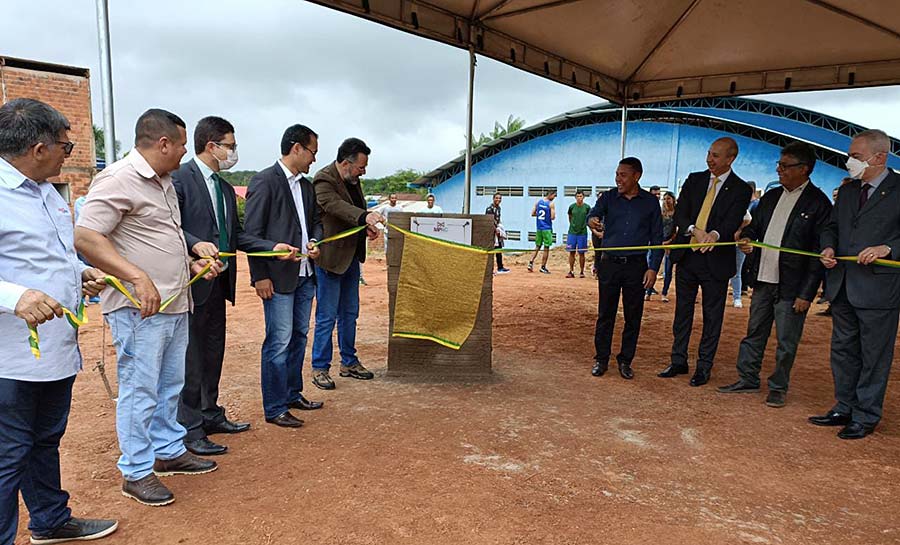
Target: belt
x=623, y=259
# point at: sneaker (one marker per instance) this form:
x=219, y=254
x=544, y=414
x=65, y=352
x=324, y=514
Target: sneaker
x=186, y=464
x=581, y=275
x=322, y=380
x=665, y=298
x=531, y=266
x=77, y=530
x=569, y=274
x=544, y=270
x=647, y=297
x=504, y=270
x=738, y=304
x=739, y=387
x=357, y=371
x=362, y=281
x=148, y=491
x=776, y=399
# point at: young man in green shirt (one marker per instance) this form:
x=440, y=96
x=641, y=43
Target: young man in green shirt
x=577, y=237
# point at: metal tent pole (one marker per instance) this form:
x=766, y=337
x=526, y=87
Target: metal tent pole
x=624, y=128
x=109, y=127
x=467, y=195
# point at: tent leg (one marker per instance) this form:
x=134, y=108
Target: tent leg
x=467, y=195
x=109, y=127
x=624, y=128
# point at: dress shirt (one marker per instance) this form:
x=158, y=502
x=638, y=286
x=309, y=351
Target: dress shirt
x=630, y=222
x=721, y=183
x=37, y=251
x=768, y=259
x=137, y=210
x=294, y=181
x=207, y=174
x=873, y=185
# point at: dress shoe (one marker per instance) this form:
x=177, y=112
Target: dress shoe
x=831, y=418
x=285, y=420
x=148, y=491
x=673, y=371
x=739, y=387
x=599, y=368
x=626, y=371
x=700, y=377
x=304, y=404
x=186, y=464
x=855, y=430
x=205, y=447
x=776, y=399
x=226, y=426
x=77, y=530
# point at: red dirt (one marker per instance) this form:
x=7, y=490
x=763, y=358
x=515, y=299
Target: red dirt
x=540, y=453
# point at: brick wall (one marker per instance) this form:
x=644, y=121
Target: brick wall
x=69, y=93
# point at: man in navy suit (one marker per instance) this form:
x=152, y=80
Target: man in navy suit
x=710, y=208
x=210, y=224
x=281, y=205
x=865, y=298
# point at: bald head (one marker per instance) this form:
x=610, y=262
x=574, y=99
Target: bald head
x=721, y=154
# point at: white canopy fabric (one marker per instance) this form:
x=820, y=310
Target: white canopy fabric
x=640, y=51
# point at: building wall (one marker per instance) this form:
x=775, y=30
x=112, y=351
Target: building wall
x=588, y=156
x=71, y=95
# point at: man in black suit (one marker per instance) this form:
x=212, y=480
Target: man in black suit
x=784, y=284
x=281, y=205
x=207, y=203
x=865, y=298
x=711, y=206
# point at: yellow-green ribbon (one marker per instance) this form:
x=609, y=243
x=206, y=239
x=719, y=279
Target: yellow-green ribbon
x=75, y=319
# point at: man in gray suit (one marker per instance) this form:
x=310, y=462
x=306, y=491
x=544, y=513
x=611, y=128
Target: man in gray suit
x=865, y=297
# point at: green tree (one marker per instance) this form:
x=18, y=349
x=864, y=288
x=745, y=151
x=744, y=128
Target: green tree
x=398, y=182
x=238, y=177
x=512, y=125
x=100, y=143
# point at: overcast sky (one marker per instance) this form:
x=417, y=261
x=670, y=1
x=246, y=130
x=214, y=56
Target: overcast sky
x=266, y=65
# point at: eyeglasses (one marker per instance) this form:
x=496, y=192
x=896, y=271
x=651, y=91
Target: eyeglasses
x=67, y=146
x=313, y=153
x=227, y=145
x=785, y=166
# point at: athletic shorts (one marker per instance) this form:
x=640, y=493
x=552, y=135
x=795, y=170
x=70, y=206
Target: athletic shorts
x=576, y=242
x=543, y=238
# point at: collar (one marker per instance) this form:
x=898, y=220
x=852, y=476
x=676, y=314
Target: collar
x=205, y=171
x=799, y=189
x=10, y=177
x=721, y=178
x=877, y=180
x=291, y=178
x=141, y=165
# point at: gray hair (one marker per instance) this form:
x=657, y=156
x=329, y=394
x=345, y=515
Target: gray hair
x=25, y=122
x=879, y=141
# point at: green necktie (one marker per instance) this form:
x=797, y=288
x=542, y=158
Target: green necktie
x=220, y=213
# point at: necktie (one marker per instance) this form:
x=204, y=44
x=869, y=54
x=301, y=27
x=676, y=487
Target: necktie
x=220, y=213
x=703, y=216
x=863, y=195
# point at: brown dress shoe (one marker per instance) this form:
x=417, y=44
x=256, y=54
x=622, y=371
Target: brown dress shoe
x=148, y=491
x=186, y=464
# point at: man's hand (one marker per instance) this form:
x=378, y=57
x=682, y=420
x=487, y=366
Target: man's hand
x=36, y=307
x=703, y=238
x=264, y=289
x=801, y=305
x=214, y=270
x=649, y=279
x=744, y=246
x=284, y=247
x=374, y=217
x=147, y=294
x=92, y=282
x=594, y=223
x=371, y=232
x=827, y=259
x=870, y=254
x=205, y=249
x=312, y=250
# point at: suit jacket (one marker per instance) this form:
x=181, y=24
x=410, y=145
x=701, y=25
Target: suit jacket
x=339, y=204
x=798, y=276
x=198, y=222
x=270, y=212
x=725, y=218
x=850, y=229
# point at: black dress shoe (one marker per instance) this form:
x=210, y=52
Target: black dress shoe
x=285, y=420
x=700, y=377
x=831, y=418
x=626, y=371
x=205, y=447
x=855, y=430
x=673, y=371
x=599, y=368
x=304, y=404
x=739, y=387
x=226, y=426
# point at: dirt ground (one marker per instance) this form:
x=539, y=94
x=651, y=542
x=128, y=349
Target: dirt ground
x=542, y=452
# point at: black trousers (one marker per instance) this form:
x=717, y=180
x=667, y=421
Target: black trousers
x=499, y=259
x=626, y=278
x=198, y=406
x=691, y=274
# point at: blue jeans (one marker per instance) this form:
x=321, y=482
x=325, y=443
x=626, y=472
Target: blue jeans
x=150, y=369
x=337, y=300
x=33, y=417
x=736, y=279
x=667, y=274
x=287, y=326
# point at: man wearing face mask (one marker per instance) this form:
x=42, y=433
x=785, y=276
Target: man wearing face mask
x=865, y=298
x=210, y=224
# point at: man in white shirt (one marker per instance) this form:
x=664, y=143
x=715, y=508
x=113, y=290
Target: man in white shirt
x=432, y=208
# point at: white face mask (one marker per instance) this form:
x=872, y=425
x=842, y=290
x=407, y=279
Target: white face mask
x=856, y=168
x=231, y=158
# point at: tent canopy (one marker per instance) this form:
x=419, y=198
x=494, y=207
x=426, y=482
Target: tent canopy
x=640, y=51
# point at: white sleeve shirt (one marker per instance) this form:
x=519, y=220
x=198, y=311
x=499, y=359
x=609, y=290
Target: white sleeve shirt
x=294, y=181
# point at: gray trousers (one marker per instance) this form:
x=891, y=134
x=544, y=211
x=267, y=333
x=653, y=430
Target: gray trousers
x=767, y=307
x=862, y=349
